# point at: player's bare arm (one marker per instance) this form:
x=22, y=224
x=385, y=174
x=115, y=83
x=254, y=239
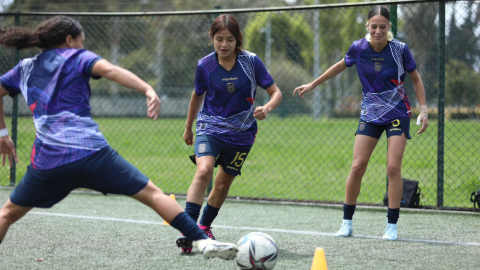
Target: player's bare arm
x=420, y=92
x=195, y=104
x=275, y=94
x=7, y=147
x=128, y=79
x=333, y=71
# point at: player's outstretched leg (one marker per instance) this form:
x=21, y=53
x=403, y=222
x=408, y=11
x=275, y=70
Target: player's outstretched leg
x=212, y=248
x=9, y=214
x=171, y=211
x=193, y=210
x=346, y=230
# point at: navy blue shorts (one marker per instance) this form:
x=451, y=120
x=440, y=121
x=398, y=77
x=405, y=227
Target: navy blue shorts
x=397, y=127
x=105, y=171
x=230, y=157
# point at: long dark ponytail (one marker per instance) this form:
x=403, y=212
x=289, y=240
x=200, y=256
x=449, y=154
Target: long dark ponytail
x=49, y=33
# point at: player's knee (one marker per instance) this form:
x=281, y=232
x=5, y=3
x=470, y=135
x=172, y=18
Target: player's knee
x=204, y=173
x=9, y=216
x=224, y=188
x=393, y=171
x=359, y=167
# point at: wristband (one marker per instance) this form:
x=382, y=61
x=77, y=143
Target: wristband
x=3, y=132
x=423, y=111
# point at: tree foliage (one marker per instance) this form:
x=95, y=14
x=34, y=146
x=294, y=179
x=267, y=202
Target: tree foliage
x=293, y=36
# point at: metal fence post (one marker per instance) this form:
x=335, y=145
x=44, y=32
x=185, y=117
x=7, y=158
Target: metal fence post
x=13, y=170
x=441, y=103
x=317, y=95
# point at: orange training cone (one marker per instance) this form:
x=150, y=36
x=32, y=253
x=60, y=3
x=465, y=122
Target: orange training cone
x=319, y=260
x=164, y=221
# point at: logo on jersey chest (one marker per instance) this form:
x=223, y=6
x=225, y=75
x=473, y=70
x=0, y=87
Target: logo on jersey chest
x=231, y=87
x=378, y=67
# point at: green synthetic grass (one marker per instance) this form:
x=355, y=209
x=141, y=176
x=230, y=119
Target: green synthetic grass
x=293, y=158
x=97, y=232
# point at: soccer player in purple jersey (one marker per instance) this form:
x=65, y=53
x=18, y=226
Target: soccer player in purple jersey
x=69, y=151
x=225, y=83
x=382, y=63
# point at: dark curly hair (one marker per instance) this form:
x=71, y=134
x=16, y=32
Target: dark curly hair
x=47, y=34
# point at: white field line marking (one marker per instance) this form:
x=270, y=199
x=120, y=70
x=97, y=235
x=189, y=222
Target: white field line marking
x=262, y=229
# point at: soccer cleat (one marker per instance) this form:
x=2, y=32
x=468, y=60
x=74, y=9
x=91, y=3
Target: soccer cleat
x=390, y=232
x=208, y=231
x=346, y=230
x=212, y=248
x=185, y=244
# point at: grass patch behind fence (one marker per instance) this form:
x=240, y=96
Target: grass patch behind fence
x=295, y=158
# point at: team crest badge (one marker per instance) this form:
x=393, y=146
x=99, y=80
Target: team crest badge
x=202, y=148
x=362, y=126
x=231, y=87
x=378, y=67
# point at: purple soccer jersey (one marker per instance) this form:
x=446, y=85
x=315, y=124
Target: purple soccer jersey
x=382, y=75
x=55, y=85
x=228, y=108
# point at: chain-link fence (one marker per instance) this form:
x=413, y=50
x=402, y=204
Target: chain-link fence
x=303, y=151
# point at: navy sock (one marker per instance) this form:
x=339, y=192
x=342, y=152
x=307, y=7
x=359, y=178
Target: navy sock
x=209, y=214
x=0, y=241
x=348, y=211
x=188, y=227
x=193, y=210
x=393, y=215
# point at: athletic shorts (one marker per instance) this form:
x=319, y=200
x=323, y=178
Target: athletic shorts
x=230, y=157
x=397, y=127
x=105, y=171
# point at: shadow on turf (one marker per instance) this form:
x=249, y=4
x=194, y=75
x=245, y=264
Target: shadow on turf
x=282, y=253
x=424, y=241
x=285, y=255
x=189, y=254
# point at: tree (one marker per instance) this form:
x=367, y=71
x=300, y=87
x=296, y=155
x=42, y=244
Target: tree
x=292, y=36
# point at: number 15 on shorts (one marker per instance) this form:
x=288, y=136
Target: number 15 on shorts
x=239, y=159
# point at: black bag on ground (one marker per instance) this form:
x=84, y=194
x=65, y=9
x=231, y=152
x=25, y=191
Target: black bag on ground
x=410, y=195
x=475, y=198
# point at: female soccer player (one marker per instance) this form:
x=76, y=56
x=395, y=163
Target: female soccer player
x=381, y=64
x=226, y=83
x=69, y=151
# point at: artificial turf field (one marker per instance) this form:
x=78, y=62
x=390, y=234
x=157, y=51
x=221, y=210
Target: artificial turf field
x=92, y=231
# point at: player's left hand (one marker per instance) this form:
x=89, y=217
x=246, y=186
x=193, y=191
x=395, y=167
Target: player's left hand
x=261, y=112
x=7, y=149
x=153, y=104
x=301, y=90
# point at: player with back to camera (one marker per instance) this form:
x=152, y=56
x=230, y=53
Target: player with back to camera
x=382, y=63
x=69, y=151
x=225, y=83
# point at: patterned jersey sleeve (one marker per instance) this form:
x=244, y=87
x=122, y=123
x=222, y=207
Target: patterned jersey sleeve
x=408, y=61
x=11, y=81
x=262, y=76
x=351, y=56
x=86, y=60
x=200, y=79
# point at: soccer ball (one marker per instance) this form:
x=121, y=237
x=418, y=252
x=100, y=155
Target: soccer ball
x=257, y=251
